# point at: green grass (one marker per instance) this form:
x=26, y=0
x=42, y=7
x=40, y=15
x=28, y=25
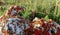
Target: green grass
x=45, y=8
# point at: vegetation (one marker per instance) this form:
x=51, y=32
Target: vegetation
x=43, y=8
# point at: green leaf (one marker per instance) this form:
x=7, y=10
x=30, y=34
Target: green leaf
x=46, y=17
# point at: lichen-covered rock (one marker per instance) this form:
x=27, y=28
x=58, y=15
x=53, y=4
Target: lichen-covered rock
x=43, y=27
x=11, y=22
